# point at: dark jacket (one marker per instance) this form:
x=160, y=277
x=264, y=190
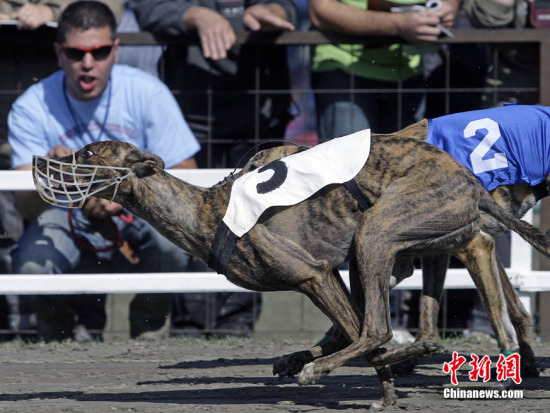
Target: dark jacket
x=190, y=74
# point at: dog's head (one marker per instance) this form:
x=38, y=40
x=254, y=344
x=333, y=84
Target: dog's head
x=99, y=169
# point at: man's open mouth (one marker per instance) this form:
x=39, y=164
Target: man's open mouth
x=87, y=82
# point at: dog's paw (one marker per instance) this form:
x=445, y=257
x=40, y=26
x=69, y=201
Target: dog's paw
x=377, y=405
x=403, y=368
x=531, y=369
x=382, y=403
x=291, y=364
x=416, y=351
x=430, y=348
x=308, y=375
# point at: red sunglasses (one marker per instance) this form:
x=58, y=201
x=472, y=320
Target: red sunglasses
x=100, y=52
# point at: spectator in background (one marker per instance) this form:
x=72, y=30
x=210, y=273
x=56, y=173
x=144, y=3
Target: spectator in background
x=229, y=70
x=22, y=66
x=340, y=66
x=515, y=65
x=471, y=66
x=144, y=57
x=92, y=98
x=11, y=228
x=463, y=66
x=302, y=130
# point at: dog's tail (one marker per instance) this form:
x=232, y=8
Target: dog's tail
x=525, y=230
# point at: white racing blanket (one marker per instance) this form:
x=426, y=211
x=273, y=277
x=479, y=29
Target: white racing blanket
x=295, y=178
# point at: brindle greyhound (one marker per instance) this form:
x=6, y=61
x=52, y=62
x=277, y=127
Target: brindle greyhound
x=517, y=200
x=423, y=202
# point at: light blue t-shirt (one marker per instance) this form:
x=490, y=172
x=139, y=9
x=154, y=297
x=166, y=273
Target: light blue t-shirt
x=136, y=108
x=507, y=145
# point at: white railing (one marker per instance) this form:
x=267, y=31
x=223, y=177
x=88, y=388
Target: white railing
x=524, y=279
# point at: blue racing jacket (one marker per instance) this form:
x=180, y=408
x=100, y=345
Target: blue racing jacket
x=507, y=145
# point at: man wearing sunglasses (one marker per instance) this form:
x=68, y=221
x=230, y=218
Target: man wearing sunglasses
x=91, y=99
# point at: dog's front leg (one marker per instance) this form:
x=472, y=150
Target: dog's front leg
x=291, y=364
x=375, y=260
x=298, y=270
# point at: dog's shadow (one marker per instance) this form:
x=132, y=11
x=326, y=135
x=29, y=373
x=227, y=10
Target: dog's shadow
x=333, y=392
x=337, y=392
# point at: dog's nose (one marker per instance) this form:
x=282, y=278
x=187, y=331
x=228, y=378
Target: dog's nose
x=41, y=164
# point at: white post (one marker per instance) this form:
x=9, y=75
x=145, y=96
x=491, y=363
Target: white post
x=521, y=262
x=521, y=258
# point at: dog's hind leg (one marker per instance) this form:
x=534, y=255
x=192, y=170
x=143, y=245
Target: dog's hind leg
x=327, y=291
x=480, y=260
x=403, y=360
x=434, y=270
x=522, y=324
x=298, y=362
x=350, y=334
x=389, y=227
x=294, y=363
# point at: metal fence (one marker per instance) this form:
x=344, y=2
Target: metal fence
x=451, y=87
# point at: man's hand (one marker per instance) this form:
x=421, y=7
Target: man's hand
x=216, y=34
x=59, y=151
x=338, y=17
x=266, y=17
x=448, y=12
x=98, y=211
x=417, y=27
x=95, y=209
x=32, y=16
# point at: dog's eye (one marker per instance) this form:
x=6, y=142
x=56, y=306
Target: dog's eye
x=87, y=154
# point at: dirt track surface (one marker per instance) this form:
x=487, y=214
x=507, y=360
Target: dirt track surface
x=229, y=375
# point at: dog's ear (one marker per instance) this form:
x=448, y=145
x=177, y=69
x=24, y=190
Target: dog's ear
x=145, y=164
x=145, y=168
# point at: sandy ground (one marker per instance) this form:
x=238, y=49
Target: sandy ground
x=229, y=375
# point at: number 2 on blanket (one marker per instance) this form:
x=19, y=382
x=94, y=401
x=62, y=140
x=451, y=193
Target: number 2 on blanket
x=493, y=134
x=279, y=177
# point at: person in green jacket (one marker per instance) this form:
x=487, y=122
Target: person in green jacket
x=369, y=66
